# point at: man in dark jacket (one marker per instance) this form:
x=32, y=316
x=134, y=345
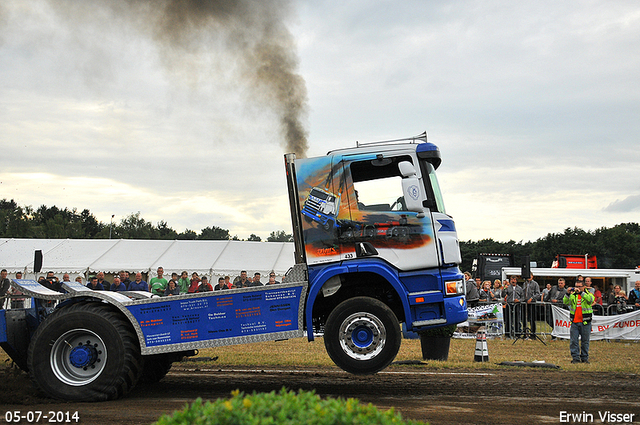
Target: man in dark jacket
x=513, y=295
x=138, y=284
x=5, y=284
x=52, y=282
x=117, y=285
x=124, y=279
x=94, y=284
x=531, y=295
x=204, y=286
x=256, y=280
x=472, y=294
x=555, y=296
x=634, y=296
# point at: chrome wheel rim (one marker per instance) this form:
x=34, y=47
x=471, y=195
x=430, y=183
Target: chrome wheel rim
x=362, y=336
x=78, y=357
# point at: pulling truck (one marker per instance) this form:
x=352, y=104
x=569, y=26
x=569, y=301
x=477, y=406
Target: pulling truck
x=353, y=289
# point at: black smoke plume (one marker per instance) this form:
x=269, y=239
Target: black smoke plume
x=252, y=32
x=255, y=31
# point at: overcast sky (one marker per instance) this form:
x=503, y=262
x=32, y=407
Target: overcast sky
x=535, y=107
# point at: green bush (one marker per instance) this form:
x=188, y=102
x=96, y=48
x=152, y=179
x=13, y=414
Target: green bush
x=285, y=407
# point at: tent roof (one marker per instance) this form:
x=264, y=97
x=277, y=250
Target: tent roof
x=193, y=256
x=134, y=255
x=15, y=254
x=72, y=256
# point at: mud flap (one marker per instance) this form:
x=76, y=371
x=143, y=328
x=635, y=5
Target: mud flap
x=14, y=335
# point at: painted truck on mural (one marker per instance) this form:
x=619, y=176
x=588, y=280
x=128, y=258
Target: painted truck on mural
x=374, y=248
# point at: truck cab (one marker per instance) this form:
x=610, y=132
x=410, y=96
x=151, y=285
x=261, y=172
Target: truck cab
x=388, y=238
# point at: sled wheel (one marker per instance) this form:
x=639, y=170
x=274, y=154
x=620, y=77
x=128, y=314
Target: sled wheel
x=85, y=352
x=362, y=335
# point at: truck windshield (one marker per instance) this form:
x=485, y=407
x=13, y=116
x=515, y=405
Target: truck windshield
x=432, y=187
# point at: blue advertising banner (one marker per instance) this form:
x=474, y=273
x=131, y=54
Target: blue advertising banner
x=216, y=315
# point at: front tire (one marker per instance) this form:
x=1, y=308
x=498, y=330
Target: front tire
x=362, y=335
x=85, y=352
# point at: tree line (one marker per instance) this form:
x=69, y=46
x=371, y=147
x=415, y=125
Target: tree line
x=615, y=247
x=55, y=223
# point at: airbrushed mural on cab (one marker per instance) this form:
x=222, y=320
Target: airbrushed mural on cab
x=333, y=221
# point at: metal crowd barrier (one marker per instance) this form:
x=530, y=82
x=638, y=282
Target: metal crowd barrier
x=535, y=320
x=14, y=301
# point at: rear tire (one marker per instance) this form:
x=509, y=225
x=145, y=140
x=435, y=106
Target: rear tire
x=85, y=352
x=362, y=335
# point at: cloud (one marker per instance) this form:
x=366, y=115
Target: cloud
x=536, y=73
x=628, y=204
x=534, y=107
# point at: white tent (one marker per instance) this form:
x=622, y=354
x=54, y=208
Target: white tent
x=81, y=256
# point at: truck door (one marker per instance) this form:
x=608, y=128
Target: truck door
x=378, y=222
x=319, y=183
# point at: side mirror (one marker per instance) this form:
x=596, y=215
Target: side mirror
x=411, y=188
x=406, y=169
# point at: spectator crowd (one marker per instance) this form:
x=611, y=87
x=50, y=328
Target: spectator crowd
x=525, y=302
x=512, y=292
x=158, y=285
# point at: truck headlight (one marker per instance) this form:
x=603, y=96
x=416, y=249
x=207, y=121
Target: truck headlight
x=454, y=287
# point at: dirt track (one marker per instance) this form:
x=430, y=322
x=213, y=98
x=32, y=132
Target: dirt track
x=441, y=397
